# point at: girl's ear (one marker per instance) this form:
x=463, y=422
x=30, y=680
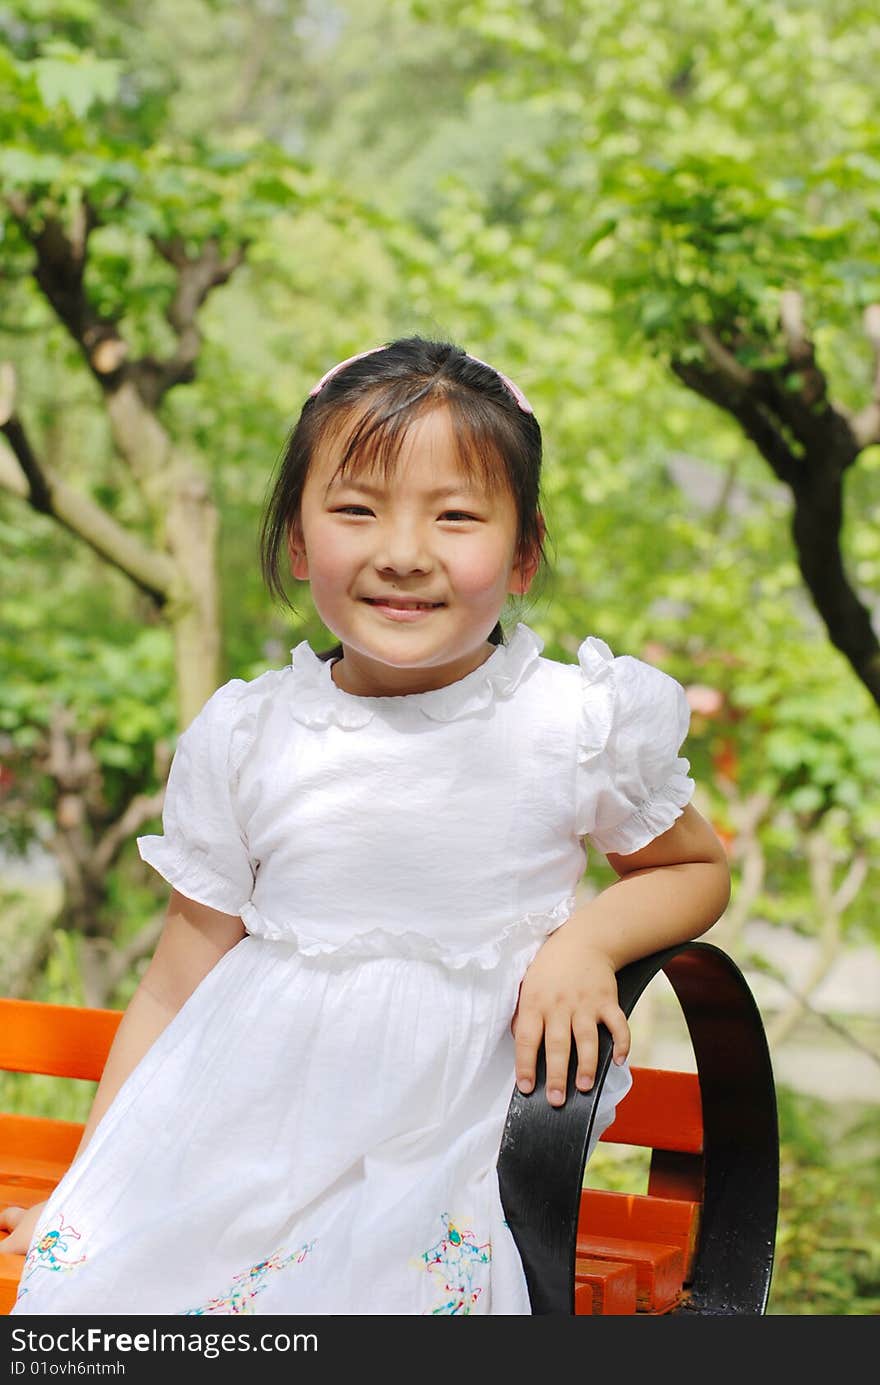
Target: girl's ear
x=296, y=550
x=523, y=574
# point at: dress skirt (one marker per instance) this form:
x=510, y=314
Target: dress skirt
x=310, y=1134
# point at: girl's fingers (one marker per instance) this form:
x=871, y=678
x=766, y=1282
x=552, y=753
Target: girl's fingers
x=586, y=1037
x=615, y=1022
x=529, y=1032
x=557, y=1032
x=557, y=1050
x=10, y=1217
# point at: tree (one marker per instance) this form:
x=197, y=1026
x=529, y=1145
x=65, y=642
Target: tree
x=722, y=199
x=117, y=227
x=86, y=198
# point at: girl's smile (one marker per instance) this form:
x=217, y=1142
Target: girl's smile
x=410, y=571
x=402, y=610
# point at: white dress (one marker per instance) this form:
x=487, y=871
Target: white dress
x=317, y=1129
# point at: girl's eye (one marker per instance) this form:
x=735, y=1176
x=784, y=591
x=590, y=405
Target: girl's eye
x=362, y=509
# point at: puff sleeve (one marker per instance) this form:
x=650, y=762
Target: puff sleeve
x=632, y=783
x=204, y=852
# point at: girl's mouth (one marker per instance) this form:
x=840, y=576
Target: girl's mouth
x=404, y=610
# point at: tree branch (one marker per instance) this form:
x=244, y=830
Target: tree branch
x=141, y=808
x=754, y=419
x=780, y=977
x=724, y=360
x=851, y=883
x=747, y=815
x=60, y=271
x=151, y=570
x=800, y=349
x=809, y=444
x=816, y=527
x=196, y=277
x=791, y=318
x=36, y=489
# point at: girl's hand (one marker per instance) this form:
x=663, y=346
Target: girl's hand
x=20, y=1222
x=569, y=988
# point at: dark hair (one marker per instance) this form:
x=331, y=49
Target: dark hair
x=382, y=393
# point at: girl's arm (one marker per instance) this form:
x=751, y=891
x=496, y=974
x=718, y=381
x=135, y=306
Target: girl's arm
x=193, y=940
x=669, y=892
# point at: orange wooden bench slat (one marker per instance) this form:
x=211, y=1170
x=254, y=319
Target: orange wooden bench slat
x=659, y=1269
x=583, y=1301
x=662, y=1110
x=613, y=1286
x=11, y=1267
x=666, y=1221
x=56, y=1040
x=23, y=1170
x=38, y=1137
x=24, y=1193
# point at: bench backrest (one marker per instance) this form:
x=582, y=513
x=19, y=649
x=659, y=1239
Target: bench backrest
x=55, y=1040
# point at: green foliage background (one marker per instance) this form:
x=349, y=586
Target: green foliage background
x=565, y=188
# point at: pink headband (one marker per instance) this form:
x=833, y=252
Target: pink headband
x=514, y=389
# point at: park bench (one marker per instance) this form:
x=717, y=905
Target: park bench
x=700, y=1239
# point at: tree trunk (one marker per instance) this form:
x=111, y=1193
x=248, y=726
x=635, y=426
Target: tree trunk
x=194, y=609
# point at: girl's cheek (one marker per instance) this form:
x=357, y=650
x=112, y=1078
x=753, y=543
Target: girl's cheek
x=480, y=573
x=332, y=552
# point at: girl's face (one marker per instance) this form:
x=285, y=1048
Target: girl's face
x=373, y=550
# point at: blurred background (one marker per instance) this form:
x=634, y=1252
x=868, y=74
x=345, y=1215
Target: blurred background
x=663, y=221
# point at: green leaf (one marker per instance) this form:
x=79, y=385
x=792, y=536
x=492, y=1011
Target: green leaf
x=78, y=80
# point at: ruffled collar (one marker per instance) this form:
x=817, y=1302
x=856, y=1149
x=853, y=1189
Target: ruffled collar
x=317, y=701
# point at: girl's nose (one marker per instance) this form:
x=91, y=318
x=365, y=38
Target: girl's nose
x=402, y=548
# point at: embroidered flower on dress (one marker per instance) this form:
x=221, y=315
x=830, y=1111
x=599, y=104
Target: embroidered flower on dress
x=51, y=1251
x=455, y=1260
x=248, y=1284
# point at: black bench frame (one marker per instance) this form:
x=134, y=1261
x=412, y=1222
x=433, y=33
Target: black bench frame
x=543, y=1149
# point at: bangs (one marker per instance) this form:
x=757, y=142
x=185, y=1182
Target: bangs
x=373, y=433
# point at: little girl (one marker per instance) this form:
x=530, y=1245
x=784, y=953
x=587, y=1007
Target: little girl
x=374, y=854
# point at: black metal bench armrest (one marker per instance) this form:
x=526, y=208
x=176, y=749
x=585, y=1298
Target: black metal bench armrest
x=543, y=1149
